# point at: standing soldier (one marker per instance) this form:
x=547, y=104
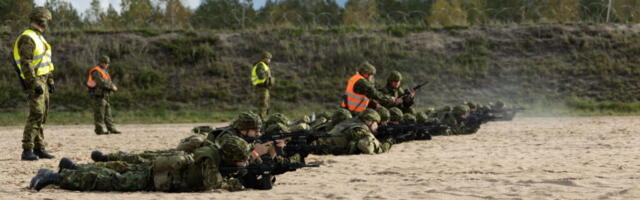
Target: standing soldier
x=393, y=88
x=360, y=91
x=100, y=88
x=32, y=57
x=262, y=81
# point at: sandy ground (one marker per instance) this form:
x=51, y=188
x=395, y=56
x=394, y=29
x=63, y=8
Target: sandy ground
x=529, y=158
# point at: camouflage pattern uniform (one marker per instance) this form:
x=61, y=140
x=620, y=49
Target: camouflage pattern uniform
x=180, y=172
x=368, y=88
x=101, y=102
x=395, y=115
x=396, y=92
x=455, y=120
x=353, y=136
x=262, y=90
x=338, y=116
x=38, y=89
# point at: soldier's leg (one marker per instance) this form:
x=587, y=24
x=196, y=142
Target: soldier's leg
x=262, y=98
x=266, y=103
x=34, y=123
x=144, y=157
x=38, y=141
x=98, y=114
x=97, y=178
x=108, y=119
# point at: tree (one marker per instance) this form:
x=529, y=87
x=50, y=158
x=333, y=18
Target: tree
x=138, y=13
x=176, y=14
x=223, y=14
x=15, y=13
x=63, y=13
x=447, y=13
x=360, y=12
x=626, y=11
x=559, y=11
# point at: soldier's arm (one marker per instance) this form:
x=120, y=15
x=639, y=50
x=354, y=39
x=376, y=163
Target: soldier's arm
x=357, y=133
x=214, y=180
x=26, y=46
x=262, y=74
x=369, y=90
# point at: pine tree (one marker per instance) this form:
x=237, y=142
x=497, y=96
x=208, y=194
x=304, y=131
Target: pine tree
x=447, y=13
x=360, y=12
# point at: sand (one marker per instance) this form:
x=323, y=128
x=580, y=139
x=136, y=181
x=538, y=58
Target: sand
x=528, y=158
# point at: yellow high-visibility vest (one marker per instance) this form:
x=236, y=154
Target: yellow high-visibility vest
x=41, y=54
x=254, y=73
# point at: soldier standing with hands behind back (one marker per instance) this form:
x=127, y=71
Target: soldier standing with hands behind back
x=100, y=88
x=32, y=57
x=262, y=81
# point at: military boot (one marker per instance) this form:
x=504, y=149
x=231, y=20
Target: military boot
x=43, y=178
x=101, y=132
x=114, y=131
x=27, y=154
x=66, y=163
x=41, y=153
x=98, y=156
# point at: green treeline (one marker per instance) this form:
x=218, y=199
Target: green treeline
x=239, y=14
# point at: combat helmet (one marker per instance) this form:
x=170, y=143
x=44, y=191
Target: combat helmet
x=394, y=76
x=384, y=113
x=367, y=68
x=370, y=114
x=40, y=14
x=460, y=110
x=395, y=114
x=247, y=121
x=235, y=150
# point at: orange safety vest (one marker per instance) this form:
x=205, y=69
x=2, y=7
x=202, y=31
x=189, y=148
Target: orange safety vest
x=90, y=82
x=353, y=101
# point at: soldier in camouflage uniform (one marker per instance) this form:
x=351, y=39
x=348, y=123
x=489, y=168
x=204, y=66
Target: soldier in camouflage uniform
x=456, y=120
x=338, y=116
x=262, y=81
x=100, y=89
x=363, y=93
x=393, y=88
x=384, y=115
x=183, y=172
x=246, y=126
x=409, y=118
x=32, y=59
x=355, y=136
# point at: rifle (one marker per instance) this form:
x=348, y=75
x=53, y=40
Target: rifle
x=308, y=136
x=22, y=82
x=260, y=176
x=405, y=96
x=407, y=132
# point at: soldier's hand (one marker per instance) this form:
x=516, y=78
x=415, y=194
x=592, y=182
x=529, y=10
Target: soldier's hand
x=38, y=90
x=115, y=88
x=412, y=93
x=262, y=149
x=52, y=88
x=397, y=101
x=280, y=143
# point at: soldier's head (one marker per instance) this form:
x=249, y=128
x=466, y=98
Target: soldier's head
x=40, y=18
x=266, y=57
x=429, y=111
x=371, y=118
x=395, y=115
x=276, y=128
x=248, y=124
x=104, y=62
x=276, y=118
x=340, y=115
x=499, y=105
x=472, y=106
x=384, y=115
x=394, y=79
x=409, y=118
x=235, y=151
x=367, y=70
x=461, y=111
x=422, y=117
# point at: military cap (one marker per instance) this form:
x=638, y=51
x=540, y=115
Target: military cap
x=105, y=59
x=384, y=113
x=370, y=114
x=267, y=54
x=409, y=118
x=394, y=76
x=235, y=149
x=429, y=110
x=246, y=121
x=340, y=115
x=40, y=14
x=471, y=105
x=367, y=68
x=460, y=110
x=395, y=114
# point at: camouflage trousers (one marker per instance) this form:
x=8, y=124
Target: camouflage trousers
x=33, y=135
x=139, y=158
x=367, y=144
x=108, y=176
x=102, y=114
x=262, y=101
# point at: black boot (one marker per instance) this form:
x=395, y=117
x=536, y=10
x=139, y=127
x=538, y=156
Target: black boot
x=66, y=163
x=98, y=156
x=27, y=154
x=41, y=153
x=114, y=131
x=43, y=178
